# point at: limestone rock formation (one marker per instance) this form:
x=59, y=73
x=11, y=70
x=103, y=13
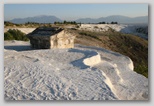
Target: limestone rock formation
x=53, y=37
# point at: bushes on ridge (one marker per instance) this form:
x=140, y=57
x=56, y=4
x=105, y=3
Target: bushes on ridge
x=13, y=34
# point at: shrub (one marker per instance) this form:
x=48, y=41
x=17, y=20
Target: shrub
x=102, y=23
x=142, y=68
x=8, y=36
x=96, y=27
x=13, y=34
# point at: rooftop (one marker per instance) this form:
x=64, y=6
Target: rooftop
x=46, y=31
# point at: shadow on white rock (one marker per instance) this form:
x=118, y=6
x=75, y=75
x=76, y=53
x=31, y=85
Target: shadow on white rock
x=90, y=58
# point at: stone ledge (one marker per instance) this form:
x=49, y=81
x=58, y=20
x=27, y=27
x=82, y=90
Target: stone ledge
x=93, y=60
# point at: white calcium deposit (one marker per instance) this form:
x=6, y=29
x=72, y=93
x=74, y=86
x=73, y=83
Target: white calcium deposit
x=80, y=73
x=127, y=29
x=24, y=30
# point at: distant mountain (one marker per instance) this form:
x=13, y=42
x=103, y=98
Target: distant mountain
x=86, y=20
x=38, y=19
x=117, y=18
x=109, y=19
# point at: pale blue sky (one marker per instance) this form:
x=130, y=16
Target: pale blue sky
x=74, y=11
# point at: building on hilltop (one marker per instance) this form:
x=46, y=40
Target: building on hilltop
x=53, y=37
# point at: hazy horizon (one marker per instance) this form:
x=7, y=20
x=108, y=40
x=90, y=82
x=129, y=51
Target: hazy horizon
x=74, y=11
x=73, y=19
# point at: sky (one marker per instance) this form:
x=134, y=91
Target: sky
x=74, y=11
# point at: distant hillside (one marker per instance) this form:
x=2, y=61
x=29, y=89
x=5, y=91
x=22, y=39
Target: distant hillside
x=109, y=19
x=127, y=44
x=117, y=18
x=38, y=19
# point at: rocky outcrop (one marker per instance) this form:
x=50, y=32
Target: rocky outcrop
x=47, y=38
x=62, y=39
x=92, y=60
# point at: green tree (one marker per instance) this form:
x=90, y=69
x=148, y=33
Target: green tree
x=65, y=22
x=8, y=36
